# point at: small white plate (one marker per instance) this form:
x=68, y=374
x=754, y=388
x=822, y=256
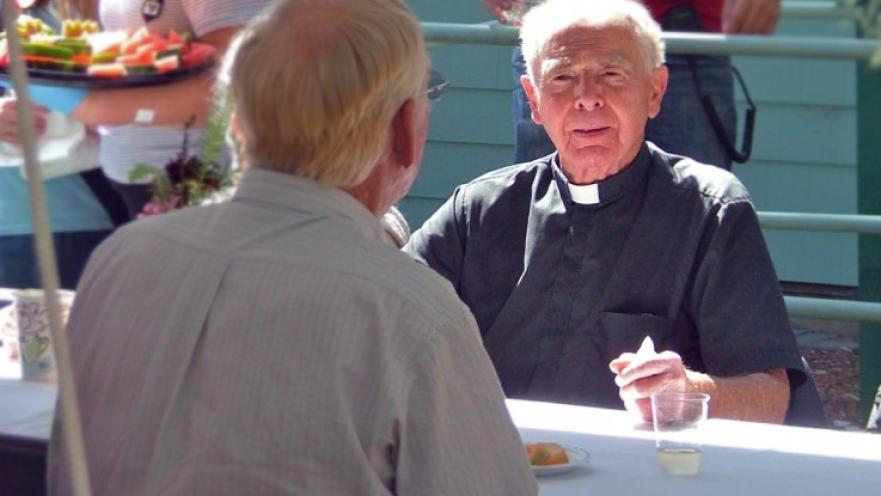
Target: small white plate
x=577, y=456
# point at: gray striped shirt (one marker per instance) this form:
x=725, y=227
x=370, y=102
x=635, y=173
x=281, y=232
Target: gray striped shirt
x=277, y=344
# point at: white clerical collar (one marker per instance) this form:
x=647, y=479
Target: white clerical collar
x=584, y=194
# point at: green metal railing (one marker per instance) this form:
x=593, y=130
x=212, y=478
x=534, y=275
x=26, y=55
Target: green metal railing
x=848, y=223
x=818, y=308
x=697, y=43
x=819, y=11
x=821, y=308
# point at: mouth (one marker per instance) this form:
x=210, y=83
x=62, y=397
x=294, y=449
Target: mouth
x=593, y=131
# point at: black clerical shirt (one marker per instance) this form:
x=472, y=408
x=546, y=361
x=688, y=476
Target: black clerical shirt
x=672, y=250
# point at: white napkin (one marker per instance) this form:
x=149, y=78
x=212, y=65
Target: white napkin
x=647, y=347
x=65, y=148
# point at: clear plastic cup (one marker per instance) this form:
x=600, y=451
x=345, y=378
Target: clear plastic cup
x=678, y=419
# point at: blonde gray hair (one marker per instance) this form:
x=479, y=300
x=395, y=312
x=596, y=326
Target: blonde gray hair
x=544, y=22
x=316, y=84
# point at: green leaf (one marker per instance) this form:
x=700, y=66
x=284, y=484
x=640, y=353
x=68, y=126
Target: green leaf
x=214, y=132
x=142, y=172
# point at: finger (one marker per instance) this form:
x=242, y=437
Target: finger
x=642, y=372
x=767, y=22
x=650, y=370
x=494, y=7
x=761, y=17
x=40, y=111
x=646, y=365
x=733, y=13
x=645, y=408
x=735, y=22
x=13, y=124
x=644, y=388
x=641, y=407
x=618, y=364
x=9, y=125
x=727, y=8
x=498, y=8
x=752, y=21
x=10, y=137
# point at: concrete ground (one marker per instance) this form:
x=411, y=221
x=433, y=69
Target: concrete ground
x=826, y=334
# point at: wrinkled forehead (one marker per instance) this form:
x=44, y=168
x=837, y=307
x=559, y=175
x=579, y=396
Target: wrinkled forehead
x=591, y=44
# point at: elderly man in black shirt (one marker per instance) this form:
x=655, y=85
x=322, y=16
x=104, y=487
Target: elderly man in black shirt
x=570, y=261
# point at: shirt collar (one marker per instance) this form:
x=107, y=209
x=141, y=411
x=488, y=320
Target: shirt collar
x=607, y=190
x=291, y=192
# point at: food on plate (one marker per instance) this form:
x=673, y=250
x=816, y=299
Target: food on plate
x=27, y=26
x=76, y=28
x=82, y=49
x=546, y=454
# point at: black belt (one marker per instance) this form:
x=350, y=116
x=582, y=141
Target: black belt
x=685, y=18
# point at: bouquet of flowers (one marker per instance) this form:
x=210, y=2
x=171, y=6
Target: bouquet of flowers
x=188, y=180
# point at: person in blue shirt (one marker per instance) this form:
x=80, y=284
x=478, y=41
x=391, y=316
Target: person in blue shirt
x=78, y=221
x=78, y=216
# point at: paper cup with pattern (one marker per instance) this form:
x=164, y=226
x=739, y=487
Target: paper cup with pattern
x=34, y=335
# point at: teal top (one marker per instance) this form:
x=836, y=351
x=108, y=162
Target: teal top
x=72, y=205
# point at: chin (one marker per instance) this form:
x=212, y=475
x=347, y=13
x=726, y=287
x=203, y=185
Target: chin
x=591, y=164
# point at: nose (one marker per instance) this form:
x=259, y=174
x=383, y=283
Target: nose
x=589, y=95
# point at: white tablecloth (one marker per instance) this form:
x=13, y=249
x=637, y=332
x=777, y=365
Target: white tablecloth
x=26, y=408
x=739, y=458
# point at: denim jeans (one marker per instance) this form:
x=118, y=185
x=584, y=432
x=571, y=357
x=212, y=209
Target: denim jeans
x=682, y=127
x=135, y=196
x=18, y=260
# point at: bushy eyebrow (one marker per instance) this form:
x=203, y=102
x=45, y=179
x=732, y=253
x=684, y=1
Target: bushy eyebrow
x=552, y=65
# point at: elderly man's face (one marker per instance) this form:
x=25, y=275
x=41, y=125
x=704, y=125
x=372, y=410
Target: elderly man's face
x=594, y=95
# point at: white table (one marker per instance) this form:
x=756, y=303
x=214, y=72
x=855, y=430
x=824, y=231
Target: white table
x=739, y=458
x=26, y=409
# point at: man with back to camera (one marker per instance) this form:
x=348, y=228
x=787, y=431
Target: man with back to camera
x=278, y=343
x=684, y=126
x=570, y=261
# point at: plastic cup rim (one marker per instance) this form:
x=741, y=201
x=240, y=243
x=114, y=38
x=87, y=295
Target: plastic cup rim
x=681, y=396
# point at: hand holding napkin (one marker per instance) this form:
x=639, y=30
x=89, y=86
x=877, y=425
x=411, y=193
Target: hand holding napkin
x=65, y=148
x=641, y=374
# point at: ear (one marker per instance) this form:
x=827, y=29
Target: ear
x=532, y=95
x=235, y=138
x=404, y=134
x=235, y=126
x=660, y=77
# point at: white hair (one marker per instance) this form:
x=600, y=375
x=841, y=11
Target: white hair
x=543, y=22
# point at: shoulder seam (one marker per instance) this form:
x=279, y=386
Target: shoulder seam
x=721, y=199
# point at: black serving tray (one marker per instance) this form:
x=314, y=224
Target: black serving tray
x=64, y=79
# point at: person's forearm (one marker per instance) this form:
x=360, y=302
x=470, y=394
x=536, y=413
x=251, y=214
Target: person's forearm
x=169, y=105
x=761, y=397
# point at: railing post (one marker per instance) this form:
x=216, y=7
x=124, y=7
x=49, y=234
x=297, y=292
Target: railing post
x=869, y=202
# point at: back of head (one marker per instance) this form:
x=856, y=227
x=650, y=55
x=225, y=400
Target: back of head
x=544, y=22
x=316, y=84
